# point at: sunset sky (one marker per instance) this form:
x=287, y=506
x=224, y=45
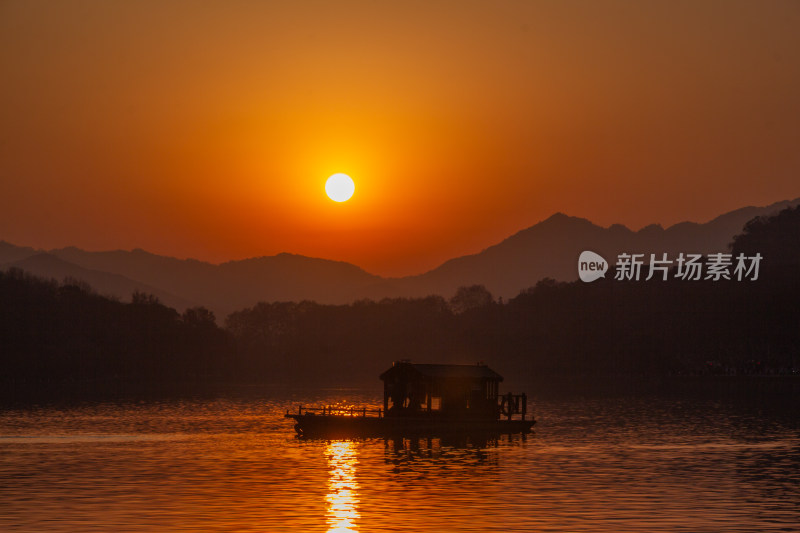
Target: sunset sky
x=208, y=129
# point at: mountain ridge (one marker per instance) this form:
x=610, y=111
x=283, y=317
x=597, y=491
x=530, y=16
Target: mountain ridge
x=548, y=248
x=49, y=266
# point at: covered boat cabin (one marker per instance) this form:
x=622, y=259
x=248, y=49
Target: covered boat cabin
x=449, y=391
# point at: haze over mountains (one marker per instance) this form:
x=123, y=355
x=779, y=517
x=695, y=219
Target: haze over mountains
x=547, y=249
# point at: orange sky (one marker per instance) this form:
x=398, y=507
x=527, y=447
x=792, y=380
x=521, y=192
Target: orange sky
x=207, y=129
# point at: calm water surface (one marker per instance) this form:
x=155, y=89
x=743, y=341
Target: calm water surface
x=646, y=463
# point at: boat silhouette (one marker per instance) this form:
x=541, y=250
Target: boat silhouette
x=425, y=399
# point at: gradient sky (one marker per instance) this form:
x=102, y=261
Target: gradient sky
x=207, y=129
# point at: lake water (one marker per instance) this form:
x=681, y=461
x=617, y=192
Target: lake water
x=608, y=462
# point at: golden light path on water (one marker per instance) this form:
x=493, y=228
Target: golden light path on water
x=342, y=498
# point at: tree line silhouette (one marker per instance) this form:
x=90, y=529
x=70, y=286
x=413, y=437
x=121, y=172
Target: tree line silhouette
x=65, y=332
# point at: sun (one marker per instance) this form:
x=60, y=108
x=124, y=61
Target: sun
x=340, y=187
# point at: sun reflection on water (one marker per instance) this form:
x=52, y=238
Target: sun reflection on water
x=342, y=497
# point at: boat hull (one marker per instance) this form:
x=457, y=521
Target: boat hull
x=312, y=425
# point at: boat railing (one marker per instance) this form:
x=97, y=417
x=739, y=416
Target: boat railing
x=332, y=410
x=511, y=405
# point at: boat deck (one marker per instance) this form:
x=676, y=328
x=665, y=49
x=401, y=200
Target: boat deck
x=332, y=421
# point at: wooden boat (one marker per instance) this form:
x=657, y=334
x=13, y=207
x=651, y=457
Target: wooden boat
x=425, y=399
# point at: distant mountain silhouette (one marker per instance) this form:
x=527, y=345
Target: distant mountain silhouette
x=10, y=253
x=295, y=277
x=547, y=249
x=183, y=283
x=49, y=266
x=551, y=249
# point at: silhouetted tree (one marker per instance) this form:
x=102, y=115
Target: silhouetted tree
x=143, y=298
x=199, y=317
x=471, y=297
x=776, y=238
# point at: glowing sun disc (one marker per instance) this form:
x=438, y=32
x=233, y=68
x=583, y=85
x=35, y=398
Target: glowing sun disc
x=340, y=187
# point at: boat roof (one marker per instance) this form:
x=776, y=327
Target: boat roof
x=444, y=371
